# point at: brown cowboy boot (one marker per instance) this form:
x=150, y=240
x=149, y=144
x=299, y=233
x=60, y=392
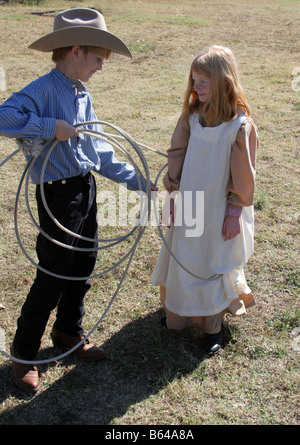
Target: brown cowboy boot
x=85, y=351
x=25, y=376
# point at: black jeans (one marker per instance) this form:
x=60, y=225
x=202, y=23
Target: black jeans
x=73, y=204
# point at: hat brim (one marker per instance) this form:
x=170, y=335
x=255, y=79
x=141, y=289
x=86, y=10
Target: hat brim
x=83, y=36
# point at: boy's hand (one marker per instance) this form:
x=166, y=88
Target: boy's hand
x=231, y=227
x=64, y=130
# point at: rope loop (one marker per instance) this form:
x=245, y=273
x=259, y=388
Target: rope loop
x=145, y=213
x=33, y=149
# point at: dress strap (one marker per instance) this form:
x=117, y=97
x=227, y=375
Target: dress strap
x=236, y=125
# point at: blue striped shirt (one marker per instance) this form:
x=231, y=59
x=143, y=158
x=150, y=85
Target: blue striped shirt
x=32, y=113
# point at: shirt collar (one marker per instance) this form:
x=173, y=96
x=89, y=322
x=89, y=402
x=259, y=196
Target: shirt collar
x=78, y=85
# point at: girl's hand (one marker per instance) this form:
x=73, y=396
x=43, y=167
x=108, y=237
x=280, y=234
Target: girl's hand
x=231, y=227
x=64, y=130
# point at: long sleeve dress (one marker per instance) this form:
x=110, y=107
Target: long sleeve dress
x=219, y=162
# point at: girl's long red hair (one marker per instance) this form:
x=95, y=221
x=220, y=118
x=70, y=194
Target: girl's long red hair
x=218, y=63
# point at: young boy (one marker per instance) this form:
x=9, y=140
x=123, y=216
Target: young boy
x=48, y=108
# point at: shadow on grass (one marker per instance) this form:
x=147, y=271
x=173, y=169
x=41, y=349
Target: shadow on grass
x=141, y=359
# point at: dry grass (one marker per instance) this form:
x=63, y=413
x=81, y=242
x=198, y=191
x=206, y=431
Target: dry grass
x=151, y=376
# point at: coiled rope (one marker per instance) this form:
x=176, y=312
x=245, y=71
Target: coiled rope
x=144, y=215
x=140, y=225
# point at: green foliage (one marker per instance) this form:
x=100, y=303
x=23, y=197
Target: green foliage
x=285, y=320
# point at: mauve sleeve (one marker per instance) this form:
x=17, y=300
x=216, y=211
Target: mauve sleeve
x=176, y=154
x=240, y=188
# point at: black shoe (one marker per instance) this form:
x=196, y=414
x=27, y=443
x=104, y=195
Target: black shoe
x=163, y=321
x=213, y=343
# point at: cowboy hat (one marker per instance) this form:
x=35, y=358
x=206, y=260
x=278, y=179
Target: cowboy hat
x=80, y=26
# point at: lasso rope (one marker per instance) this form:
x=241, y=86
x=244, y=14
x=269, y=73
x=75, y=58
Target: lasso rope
x=144, y=215
x=129, y=255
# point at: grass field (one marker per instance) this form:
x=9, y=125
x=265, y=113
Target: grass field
x=152, y=376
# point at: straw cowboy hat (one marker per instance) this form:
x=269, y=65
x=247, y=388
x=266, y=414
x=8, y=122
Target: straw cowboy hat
x=80, y=26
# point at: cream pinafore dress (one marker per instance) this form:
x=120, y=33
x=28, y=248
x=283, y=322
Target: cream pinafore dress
x=217, y=266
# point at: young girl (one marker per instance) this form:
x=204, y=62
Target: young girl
x=213, y=150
